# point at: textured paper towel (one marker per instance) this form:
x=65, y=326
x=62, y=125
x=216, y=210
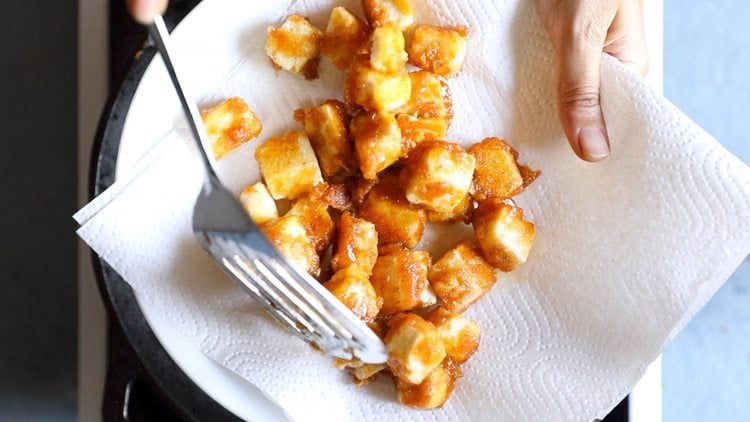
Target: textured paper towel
x=626, y=250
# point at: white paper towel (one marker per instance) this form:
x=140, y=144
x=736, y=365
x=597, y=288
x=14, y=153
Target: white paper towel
x=627, y=251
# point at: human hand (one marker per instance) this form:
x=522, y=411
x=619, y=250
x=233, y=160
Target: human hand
x=580, y=31
x=144, y=11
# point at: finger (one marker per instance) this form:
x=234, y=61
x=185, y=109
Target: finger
x=143, y=11
x=626, y=39
x=578, y=66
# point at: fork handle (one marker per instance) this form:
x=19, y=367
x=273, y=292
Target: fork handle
x=160, y=36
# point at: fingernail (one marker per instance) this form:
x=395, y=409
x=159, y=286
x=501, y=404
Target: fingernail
x=593, y=143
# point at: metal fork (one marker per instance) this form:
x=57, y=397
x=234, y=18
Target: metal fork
x=291, y=296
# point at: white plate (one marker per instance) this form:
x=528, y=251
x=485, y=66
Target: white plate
x=142, y=131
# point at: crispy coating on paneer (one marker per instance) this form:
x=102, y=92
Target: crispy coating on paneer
x=434, y=391
x=504, y=237
x=382, y=12
x=414, y=348
x=345, y=37
x=461, y=277
x=259, y=204
x=288, y=165
x=353, y=288
x=295, y=46
x=357, y=244
x=377, y=141
x=415, y=130
x=337, y=196
x=375, y=90
x=400, y=279
x=327, y=126
x=438, y=175
x=229, y=125
x=498, y=174
x=460, y=334
x=395, y=218
x=431, y=97
x=388, y=51
x=363, y=373
x=462, y=213
x=313, y=212
x=439, y=50
x=289, y=236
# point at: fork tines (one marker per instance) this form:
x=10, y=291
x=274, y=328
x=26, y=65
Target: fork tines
x=296, y=300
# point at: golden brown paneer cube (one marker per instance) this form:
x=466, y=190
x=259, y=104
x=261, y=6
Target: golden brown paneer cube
x=353, y=288
x=259, y=204
x=345, y=37
x=327, y=126
x=288, y=165
x=388, y=51
x=400, y=279
x=313, y=212
x=460, y=334
x=375, y=90
x=229, y=125
x=415, y=130
x=438, y=175
x=504, y=237
x=431, y=97
x=295, y=46
x=289, y=236
x=377, y=141
x=461, y=277
x=462, y=213
x=439, y=50
x=497, y=174
x=357, y=244
x=414, y=348
x=395, y=218
x=434, y=391
x=363, y=373
x=382, y=12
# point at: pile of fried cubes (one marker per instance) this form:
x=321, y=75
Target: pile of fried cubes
x=364, y=177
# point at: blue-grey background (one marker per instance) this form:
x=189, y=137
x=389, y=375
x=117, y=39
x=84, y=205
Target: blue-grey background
x=707, y=74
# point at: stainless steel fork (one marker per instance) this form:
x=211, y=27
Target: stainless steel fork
x=293, y=297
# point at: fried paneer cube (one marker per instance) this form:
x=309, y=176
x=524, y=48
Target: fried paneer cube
x=396, y=219
x=375, y=90
x=415, y=130
x=431, y=97
x=438, y=175
x=288, y=165
x=504, y=237
x=439, y=50
x=229, y=125
x=382, y=12
x=313, y=213
x=462, y=213
x=460, y=334
x=377, y=141
x=353, y=288
x=327, y=126
x=294, y=46
x=400, y=278
x=259, y=204
x=433, y=391
x=346, y=36
x=414, y=348
x=497, y=174
x=461, y=277
x=289, y=236
x=357, y=244
x=388, y=51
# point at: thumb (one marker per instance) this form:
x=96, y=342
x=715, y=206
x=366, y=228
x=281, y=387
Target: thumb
x=578, y=77
x=143, y=11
